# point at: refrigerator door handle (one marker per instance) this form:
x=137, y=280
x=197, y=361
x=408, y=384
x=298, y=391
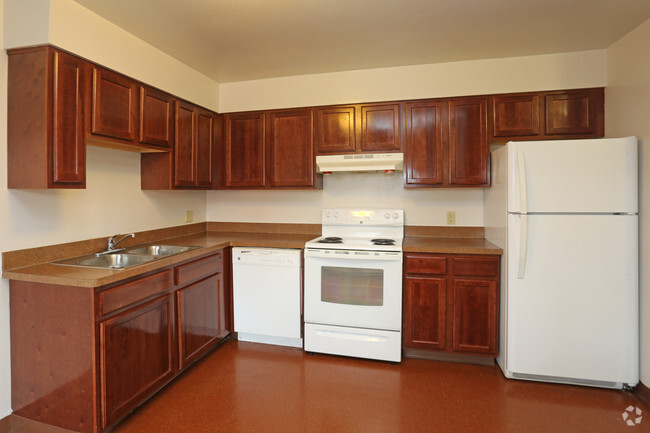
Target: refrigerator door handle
x=523, y=190
x=523, y=245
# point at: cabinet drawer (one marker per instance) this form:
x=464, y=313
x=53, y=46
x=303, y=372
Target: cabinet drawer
x=425, y=264
x=476, y=266
x=126, y=294
x=198, y=269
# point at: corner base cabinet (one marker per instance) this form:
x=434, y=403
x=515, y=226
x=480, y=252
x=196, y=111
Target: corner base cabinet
x=451, y=303
x=84, y=358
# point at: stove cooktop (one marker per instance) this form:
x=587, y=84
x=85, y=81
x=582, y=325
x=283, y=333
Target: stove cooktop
x=356, y=243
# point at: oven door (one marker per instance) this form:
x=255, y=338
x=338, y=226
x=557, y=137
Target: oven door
x=353, y=288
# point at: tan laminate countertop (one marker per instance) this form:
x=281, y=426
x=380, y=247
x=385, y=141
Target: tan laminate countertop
x=211, y=241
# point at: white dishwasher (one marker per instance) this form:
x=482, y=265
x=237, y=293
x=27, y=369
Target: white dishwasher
x=267, y=300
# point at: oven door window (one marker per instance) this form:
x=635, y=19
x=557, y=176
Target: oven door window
x=352, y=286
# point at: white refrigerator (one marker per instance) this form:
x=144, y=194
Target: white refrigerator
x=565, y=214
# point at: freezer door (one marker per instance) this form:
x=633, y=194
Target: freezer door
x=574, y=311
x=574, y=176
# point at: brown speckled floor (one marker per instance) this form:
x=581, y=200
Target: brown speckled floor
x=247, y=387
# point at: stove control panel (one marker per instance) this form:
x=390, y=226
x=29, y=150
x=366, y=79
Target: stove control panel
x=374, y=217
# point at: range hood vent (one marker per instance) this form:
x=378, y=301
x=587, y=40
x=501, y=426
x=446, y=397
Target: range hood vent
x=365, y=162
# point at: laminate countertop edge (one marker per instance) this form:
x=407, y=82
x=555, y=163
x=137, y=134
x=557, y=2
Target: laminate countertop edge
x=209, y=242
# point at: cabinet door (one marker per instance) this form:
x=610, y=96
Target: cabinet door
x=425, y=306
x=184, y=154
x=198, y=318
x=335, y=130
x=244, y=164
x=575, y=113
x=380, y=128
x=156, y=110
x=204, y=148
x=114, y=105
x=475, y=316
x=68, y=140
x=516, y=115
x=468, y=149
x=136, y=356
x=425, y=135
x=290, y=148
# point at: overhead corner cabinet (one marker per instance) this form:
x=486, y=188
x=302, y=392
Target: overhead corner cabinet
x=446, y=143
x=45, y=119
x=270, y=149
x=192, y=159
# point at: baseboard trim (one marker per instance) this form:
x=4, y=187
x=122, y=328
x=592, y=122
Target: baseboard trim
x=450, y=357
x=643, y=392
x=17, y=424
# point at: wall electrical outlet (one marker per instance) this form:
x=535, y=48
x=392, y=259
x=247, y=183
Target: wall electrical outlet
x=189, y=216
x=451, y=217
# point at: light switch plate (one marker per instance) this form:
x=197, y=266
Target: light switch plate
x=189, y=216
x=451, y=217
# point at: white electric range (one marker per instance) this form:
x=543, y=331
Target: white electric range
x=353, y=284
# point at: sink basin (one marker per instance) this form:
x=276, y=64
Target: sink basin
x=112, y=261
x=160, y=250
x=131, y=257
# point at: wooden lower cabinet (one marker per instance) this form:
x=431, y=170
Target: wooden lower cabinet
x=199, y=316
x=451, y=303
x=137, y=356
x=83, y=368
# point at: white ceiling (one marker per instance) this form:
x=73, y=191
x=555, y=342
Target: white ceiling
x=237, y=40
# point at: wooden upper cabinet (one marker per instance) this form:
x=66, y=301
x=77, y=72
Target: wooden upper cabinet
x=156, y=117
x=425, y=141
x=579, y=112
x=184, y=154
x=290, y=148
x=563, y=114
x=516, y=115
x=380, y=128
x=204, y=148
x=193, y=146
x=359, y=128
x=45, y=119
x=244, y=150
x=335, y=129
x=114, y=105
x=468, y=148
x=68, y=145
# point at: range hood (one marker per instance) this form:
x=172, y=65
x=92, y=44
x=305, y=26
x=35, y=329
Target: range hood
x=367, y=162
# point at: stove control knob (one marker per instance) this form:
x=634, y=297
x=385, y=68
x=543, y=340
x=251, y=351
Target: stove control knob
x=395, y=215
x=328, y=214
x=387, y=215
x=336, y=214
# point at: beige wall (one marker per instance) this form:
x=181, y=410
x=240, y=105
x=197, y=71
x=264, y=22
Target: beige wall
x=515, y=74
x=421, y=206
x=112, y=202
x=628, y=113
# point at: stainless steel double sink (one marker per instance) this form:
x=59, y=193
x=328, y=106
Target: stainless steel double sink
x=126, y=258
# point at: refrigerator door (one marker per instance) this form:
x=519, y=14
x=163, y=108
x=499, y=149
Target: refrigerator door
x=573, y=311
x=573, y=176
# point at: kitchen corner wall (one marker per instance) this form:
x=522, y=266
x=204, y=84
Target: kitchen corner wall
x=422, y=206
x=627, y=112
x=112, y=202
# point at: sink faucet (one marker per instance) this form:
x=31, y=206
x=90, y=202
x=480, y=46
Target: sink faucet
x=112, y=244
